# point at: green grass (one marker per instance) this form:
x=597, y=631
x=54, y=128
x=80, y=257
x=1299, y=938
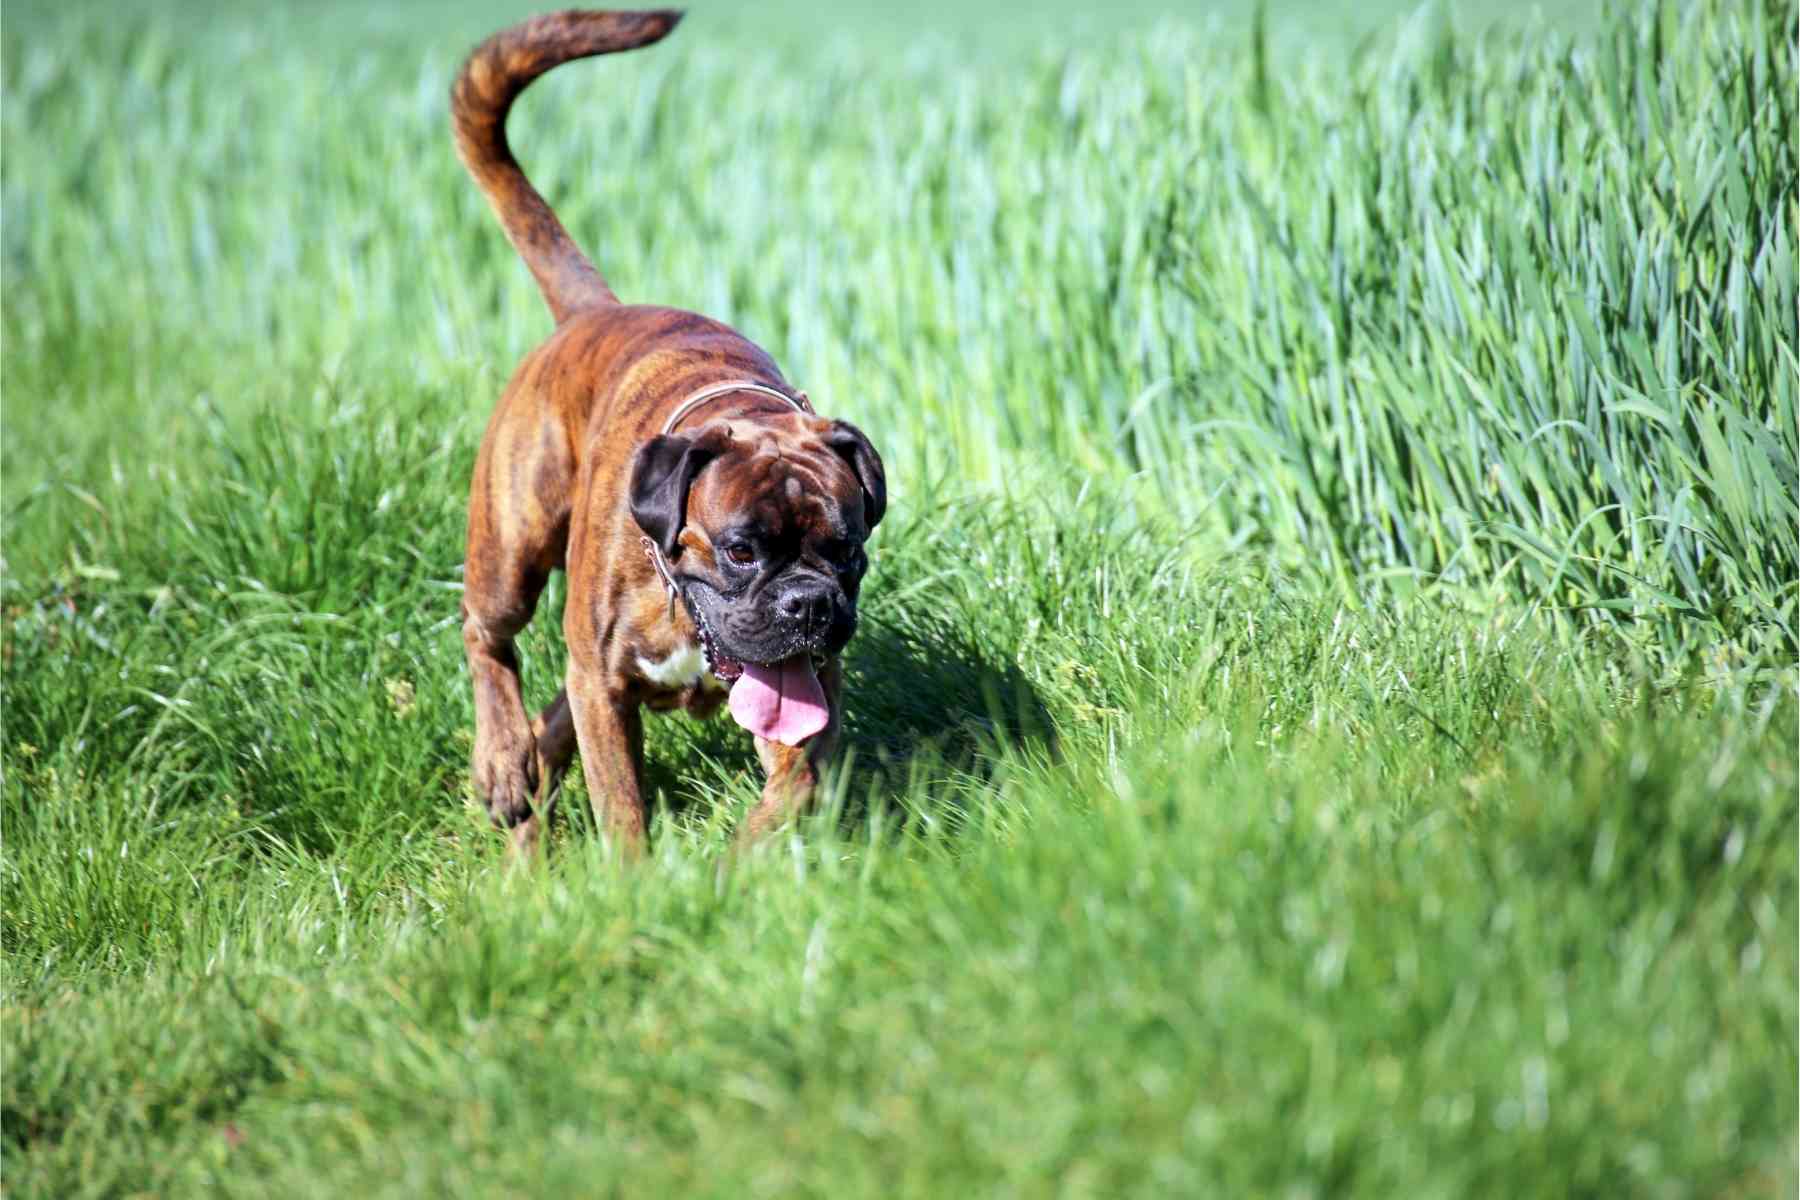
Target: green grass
x=1325, y=715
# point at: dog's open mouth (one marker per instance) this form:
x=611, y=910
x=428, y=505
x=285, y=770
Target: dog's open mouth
x=778, y=701
x=724, y=667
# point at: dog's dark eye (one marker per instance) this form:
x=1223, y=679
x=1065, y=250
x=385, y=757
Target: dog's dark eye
x=740, y=554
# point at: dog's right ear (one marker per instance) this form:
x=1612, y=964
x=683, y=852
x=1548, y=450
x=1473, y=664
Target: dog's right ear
x=661, y=474
x=853, y=447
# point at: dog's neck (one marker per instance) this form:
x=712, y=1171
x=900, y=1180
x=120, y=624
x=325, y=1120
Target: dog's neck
x=715, y=390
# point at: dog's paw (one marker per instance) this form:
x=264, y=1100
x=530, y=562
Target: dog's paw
x=506, y=776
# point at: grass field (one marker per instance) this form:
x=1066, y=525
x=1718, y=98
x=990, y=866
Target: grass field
x=1324, y=721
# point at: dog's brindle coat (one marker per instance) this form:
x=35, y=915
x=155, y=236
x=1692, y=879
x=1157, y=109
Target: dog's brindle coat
x=574, y=472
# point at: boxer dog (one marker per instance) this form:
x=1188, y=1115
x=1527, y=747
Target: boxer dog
x=711, y=524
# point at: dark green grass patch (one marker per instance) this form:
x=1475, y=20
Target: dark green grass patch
x=1201, y=966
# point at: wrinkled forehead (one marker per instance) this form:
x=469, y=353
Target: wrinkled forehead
x=781, y=486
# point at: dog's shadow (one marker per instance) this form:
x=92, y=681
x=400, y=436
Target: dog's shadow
x=922, y=702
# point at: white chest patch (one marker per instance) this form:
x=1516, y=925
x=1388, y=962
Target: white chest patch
x=680, y=669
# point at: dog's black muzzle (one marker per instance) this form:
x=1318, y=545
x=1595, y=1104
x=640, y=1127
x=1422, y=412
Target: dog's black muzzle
x=804, y=614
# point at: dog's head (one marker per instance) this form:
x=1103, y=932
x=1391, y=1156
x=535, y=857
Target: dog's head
x=762, y=524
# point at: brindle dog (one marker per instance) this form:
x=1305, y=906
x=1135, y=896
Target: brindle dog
x=711, y=525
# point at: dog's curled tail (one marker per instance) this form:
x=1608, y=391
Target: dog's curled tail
x=498, y=70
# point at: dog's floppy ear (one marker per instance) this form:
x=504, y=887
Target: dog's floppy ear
x=855, y=449
x=661, y=473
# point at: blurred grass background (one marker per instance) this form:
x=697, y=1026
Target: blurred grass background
x=1383, y=316
x=1324, y=718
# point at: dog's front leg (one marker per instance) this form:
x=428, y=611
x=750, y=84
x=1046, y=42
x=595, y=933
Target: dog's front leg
x=610, y=732
x=792, y=772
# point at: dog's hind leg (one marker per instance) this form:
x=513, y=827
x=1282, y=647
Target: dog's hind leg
x=517, y=534
x=504, y=764
x=553, y=736
x=503, y=575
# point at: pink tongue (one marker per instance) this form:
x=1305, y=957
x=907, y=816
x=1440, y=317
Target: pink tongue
x=780, y=702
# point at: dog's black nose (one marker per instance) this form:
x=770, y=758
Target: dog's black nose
x=808, y=607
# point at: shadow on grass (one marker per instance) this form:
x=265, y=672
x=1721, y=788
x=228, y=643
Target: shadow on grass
x=929, y=685
x=922, y=702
